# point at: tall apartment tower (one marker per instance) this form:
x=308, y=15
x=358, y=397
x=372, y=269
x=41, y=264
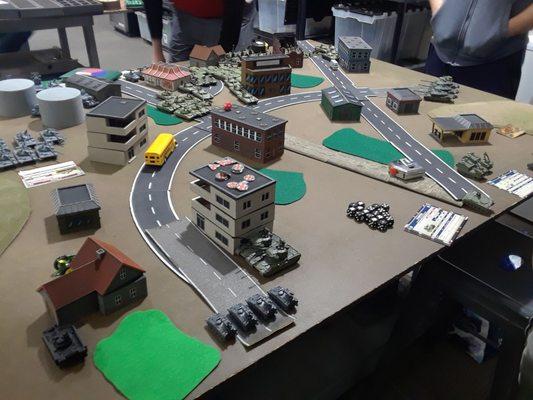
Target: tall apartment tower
x=354, y=54
x=234, y=201
x=117, y=130
x=266, y=75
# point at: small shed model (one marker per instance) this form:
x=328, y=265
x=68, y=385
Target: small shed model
x=76, y=208
x=403, y=101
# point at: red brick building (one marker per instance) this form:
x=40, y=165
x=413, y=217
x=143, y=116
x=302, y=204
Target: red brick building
x=266, y=75
x=166, y=76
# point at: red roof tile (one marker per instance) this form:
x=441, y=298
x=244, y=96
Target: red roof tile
x=166, y=71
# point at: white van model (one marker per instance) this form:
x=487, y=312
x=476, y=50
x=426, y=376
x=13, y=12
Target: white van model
x=334, y=65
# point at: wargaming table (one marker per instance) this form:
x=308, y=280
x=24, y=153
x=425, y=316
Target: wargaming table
x=341, y=261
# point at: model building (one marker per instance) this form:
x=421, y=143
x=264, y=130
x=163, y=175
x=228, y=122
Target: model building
x=204, y=56
x=403, y=101
x=354, y=54
x=97, y=88
x=467, y=128
x=76, y=208
x=102, y=279
x=340, y=105
x=250, y=133
x=285, y=43
x=266, y=75
x=117, y=130
x=233, y=202
x=166, y=76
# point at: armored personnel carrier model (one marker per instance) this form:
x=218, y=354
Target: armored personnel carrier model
x=221, y=327
x=45, y=152
x=261, y=306
x=242, y=316
x=24, y=139
x=25, y=155
x=475, y=167
x=477, y=201
x=7, y=160
x=327, y=52
x=64, y=345
x=284, y=298
x=268, y=253
x=51, y=136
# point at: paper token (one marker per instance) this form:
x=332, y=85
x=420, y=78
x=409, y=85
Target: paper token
x=237, y=168
x=222, y=176
x=249, y=178
x=213, y=167
x=226, y=161
x=232, y=185
x=242, y=186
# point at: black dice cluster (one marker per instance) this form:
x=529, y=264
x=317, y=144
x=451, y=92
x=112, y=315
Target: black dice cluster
x=376, y=216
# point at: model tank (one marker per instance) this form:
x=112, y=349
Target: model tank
x=268, y=253
x=442, y=90
x=475, y=167
x=477, y=201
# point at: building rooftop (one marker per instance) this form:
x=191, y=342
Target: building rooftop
x=75, y=199
x=355, y=43
x=203, y=52
x=249, y=116
x=462, y=122
x=265, y=57
x=404, y=94
x=208, y=175
x=338, y=98
x=167, y=71
x=116, y=107
x=86, y=82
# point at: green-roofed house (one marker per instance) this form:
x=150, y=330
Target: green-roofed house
x=340, y=106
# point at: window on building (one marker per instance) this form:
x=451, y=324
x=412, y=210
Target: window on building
x=245, y=224
x=216, y=138
x=265, y=196
x=133, y=293
x=141, y=113
x=268, y=154
x=257, y=153
x=119, y=138
x=218, y=123
x=200, y=221
x=264, y=215
x=389, y=101
x=142, y=142
x=236, y=145
x=246, y=204
x=118, y=299
x=123, y=273
x=220, y=200
x=142, y=128
x=258, y=137
x=222, y=220
x=482, y=135
x=131, y=153
x=221, y=237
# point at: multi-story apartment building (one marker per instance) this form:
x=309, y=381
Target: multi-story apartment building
x=252, y=134
x=265, y=75
x=354, y=54
x=228, y=215
x=117, y=130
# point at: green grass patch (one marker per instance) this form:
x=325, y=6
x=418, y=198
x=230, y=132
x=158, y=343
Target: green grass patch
x=15, y=206
x=290, y=186
x=162, y=118
x=350, y=141
x=148, y=358
x=305, y=81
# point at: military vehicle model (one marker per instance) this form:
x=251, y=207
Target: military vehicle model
x=477, y=201
x=284, y=298
x=35, y=111
x=7, y=160
x=406, y=169
x=25, y=155
x=45, y=152
x=184, y=106
x=327, y=52
x=267, y=252
x=64, y=345
x=261, y=306
x=62, y=264
x=242, y=316
x=132, y=76
x=24, y=139
x=442, y=90
x=475, y=167
x=51, y=136
x=231, y=76
x=221, y=327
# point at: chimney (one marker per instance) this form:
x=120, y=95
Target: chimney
x=99, y=255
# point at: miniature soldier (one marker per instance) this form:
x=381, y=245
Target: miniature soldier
x=205, y=22
x=480, y=43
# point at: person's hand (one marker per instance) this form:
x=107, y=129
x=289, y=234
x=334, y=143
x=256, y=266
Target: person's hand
x=157, y=51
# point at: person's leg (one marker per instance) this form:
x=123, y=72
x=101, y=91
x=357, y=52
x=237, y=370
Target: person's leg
x=247, y=27
x=434, y=65
x=12, y=42
x=500, y=77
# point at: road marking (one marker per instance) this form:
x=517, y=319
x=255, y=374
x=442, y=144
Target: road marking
x=153, y=211
x=451, y=180
x=158, y=223
x=167, y=226
x=305, y=97
x=417, y=152
x=153, y=174
x=190, y=248
x=408, y=144
x=185, y=138
x=464, y=190
x=375, y=115
x=269, y=103
x=292, y=98
x=149, y=197
x=267, y=328
x=438, y=169
x=232, y=292
x=150, y=186
x=429, y=162
x=138, y=91
x=398, y=136
x=382, y=122
x=389, y=128
x=195, y=132
x=280, y=101
x=177, y=235
x=202, y=260
x=219, y=278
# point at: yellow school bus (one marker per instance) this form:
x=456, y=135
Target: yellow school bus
x=160, y=149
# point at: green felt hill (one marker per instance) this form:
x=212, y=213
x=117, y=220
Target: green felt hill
x=350, y=141
x=162, y=118
x=290, y=186
x=305, y=81
x=148, y=358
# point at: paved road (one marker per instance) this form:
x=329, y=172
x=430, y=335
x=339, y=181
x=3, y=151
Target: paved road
x=450, y=180
x=163, y=230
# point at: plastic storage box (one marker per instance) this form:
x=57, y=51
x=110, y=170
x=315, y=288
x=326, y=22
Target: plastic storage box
x=145, y=32
x=272, y=20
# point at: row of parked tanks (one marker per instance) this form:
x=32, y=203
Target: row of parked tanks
x=29, y=150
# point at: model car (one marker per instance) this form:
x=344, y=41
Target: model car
x=221, y=327
x=243, y=317
x=283, y=297
x=132, y=76
x=334, y=65
x=406, y=169
x=261, y=306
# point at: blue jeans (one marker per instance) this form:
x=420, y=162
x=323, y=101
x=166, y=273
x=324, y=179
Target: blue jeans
x=12, y=42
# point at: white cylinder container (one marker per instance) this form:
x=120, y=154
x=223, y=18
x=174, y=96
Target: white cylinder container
x=60, y=107
x=17, y=97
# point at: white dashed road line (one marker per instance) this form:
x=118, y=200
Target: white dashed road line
x=408, y=144
x=438, y=169
x=177, y=235
x=219, y=278
x=389, y=128
x=417, y=152
x=149, y=197
x=451, y=180
x=185, y=138
x=464, y=190
x=398, y=136
x=153, y=174
x=267, y=104
x=150, y=186
x=429, y=162
x=153, y=210
x=232, y=292
x=202, y=260
x=190, y=248
x=158, y=223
